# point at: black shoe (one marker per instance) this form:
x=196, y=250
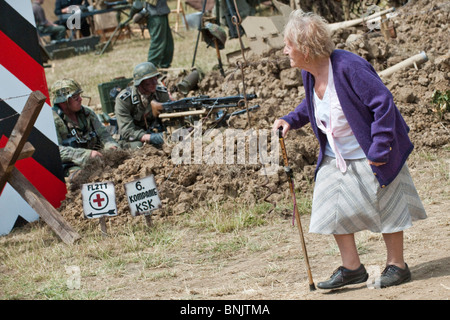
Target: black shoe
x=393, y=276
x=343, y=276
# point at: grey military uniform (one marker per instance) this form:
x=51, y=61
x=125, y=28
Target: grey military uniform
x=134, y=115
x=77, y=140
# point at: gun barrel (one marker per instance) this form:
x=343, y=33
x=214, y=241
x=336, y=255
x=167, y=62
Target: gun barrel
x=245, y=110
x=115, y=3
x=224, y=102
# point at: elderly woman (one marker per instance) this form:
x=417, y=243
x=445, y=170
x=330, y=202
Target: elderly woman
x=362, y=181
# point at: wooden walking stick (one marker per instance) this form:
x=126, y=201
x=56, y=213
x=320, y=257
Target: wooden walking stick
x=290, y=176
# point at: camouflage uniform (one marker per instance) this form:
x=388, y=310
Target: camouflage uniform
x=77, y=140
x=134, y=113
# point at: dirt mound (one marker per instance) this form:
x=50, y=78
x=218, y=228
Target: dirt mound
x=422, y=26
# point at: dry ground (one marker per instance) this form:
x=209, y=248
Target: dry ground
x=268, y=263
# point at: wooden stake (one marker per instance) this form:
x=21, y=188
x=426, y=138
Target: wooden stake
x=148, y=220
x=103, y=226
x=45, y=210
x=19, y=135
x=177, y=11
x=18, y=148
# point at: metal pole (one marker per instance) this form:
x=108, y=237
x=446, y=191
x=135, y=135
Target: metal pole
x=199, y=31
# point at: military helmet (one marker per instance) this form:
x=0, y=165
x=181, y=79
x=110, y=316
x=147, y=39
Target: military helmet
x=212, y=31
x=137, y=5
x=63, y=89
x=142, y=71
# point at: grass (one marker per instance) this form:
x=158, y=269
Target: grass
x=432, y=166
x=35, y=264
x=217, y=218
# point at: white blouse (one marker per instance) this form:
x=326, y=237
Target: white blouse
x=341, y=142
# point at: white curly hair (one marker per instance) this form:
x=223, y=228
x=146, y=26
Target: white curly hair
x=310, y=33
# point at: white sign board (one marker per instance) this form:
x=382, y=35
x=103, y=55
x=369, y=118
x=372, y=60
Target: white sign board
x=142, y=196
x=99, y=199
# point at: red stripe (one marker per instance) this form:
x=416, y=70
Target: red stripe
x=24, y=67
x=51, y=188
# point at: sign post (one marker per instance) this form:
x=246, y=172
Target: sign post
x=143, y=197
x=99, y=201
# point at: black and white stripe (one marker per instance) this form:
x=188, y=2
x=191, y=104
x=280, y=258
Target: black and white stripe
x=21, y=73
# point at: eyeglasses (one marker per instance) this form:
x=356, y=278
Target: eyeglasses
x=76, y=96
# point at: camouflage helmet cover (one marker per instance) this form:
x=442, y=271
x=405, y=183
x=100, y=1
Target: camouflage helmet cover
x=213, y=32
x=142, y=71
x=63, y=89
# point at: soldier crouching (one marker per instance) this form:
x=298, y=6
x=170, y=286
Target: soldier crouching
x=137, y=108
x=81, y=135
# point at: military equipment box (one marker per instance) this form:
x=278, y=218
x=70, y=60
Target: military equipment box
x=68, y=48
x=108, y=92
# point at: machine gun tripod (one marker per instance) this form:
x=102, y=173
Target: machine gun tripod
x=120, y=7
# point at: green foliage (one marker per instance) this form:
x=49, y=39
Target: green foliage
x=441, y=102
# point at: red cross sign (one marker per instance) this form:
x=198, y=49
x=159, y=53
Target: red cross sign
x=99, y=200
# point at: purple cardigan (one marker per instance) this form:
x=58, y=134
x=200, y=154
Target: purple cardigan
x=371, y=113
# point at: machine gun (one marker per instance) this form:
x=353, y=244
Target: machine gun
x=205, y=102
x=84, y=12
x=176, y=113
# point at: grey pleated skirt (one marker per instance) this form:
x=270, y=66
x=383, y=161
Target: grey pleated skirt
x=353, y=201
